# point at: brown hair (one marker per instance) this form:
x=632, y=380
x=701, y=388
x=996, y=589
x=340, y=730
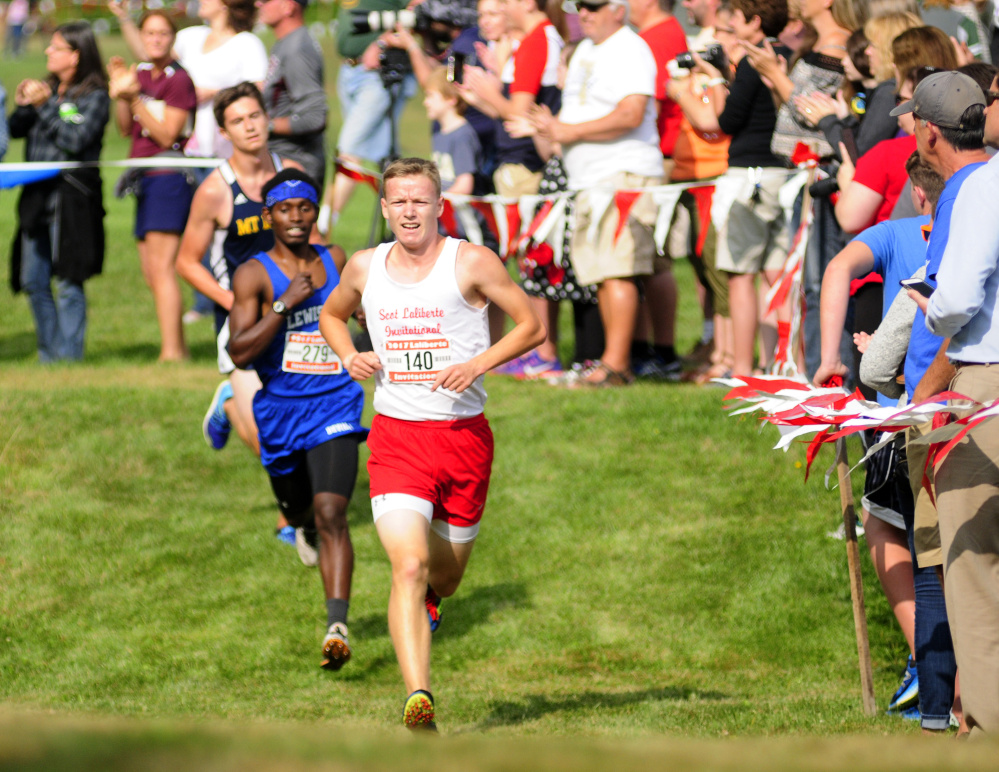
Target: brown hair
x=922, y=46
x=242, y=14
x=437, y=81
x=227, y=96
x=881, y=31
x=925, y=177
x=412, y=167
x=163, y=15
x=772, y=13
x=981, y=72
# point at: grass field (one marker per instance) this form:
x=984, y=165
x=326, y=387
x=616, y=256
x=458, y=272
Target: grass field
x=650, y=578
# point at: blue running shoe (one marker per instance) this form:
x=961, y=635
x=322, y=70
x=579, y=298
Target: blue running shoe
x=286, y=535
x=907, y=694
x=433, y=602
x=216, y=426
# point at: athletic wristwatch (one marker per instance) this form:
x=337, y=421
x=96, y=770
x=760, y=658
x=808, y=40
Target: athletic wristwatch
x=280, y=308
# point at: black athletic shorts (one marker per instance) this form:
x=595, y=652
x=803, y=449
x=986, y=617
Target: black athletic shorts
x=327, y=468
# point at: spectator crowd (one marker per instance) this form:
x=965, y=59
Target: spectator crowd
x=889, y=103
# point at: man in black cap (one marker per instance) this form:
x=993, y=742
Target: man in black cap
x=293, y=90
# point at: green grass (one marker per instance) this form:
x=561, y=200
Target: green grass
x=648, y=572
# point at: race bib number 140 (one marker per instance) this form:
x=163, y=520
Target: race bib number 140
x=416, y=360
x=307, y=353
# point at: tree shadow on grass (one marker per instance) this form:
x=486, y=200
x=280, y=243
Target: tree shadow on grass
x=534, y=706
x=464, y=612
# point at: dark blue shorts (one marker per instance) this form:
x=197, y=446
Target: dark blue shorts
x=164, y=202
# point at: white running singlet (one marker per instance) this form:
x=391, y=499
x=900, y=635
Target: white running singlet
x=417, y=330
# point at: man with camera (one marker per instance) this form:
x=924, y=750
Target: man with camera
x=293, y=89
x=373, y=84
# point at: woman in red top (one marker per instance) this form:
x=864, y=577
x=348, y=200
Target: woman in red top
x=155, y=106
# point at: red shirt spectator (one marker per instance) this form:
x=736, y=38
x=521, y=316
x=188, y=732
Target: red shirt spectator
x=882, y=169
x=666, y=39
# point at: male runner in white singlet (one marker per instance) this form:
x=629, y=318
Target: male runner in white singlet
x=425, y=299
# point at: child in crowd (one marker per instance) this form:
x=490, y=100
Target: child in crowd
x=456, y=148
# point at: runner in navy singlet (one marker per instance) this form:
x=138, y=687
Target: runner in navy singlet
x=308, y=411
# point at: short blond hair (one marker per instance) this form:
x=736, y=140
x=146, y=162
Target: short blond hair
x=412, y=167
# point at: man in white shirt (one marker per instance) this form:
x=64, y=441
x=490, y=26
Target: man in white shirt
x=607, y=127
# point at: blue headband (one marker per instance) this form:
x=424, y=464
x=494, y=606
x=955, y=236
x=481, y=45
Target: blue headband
x=291, y=189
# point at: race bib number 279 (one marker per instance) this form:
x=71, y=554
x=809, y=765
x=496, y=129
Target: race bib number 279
x=416, y=360
x=308, y=353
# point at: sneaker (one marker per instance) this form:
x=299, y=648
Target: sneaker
x=216, y=426
x=305, y=543
x=533, y=366
x=286, y=535
x=907, y=694
x=514, y=367
x=433, y=603
x=656, y=369
x=336, y=650
x=418, y=712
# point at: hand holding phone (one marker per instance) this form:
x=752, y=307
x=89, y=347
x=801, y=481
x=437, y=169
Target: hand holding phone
x=919, y=285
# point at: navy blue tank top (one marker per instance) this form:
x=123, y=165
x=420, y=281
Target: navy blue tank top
x=298, y=362
x=246, y=234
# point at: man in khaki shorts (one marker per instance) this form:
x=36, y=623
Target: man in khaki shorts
x=964, y=309
x=607, y=127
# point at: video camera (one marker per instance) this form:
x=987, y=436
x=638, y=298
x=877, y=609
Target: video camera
x=362, y=22
x=714, y=55
x=437, y=21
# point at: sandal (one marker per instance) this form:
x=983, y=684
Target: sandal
x=611, y=378
x=705, y=377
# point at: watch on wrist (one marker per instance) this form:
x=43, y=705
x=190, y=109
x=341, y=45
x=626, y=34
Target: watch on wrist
x=280, y=308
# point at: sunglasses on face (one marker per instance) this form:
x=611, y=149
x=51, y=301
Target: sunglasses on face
x=990, y=97
x=582, y=5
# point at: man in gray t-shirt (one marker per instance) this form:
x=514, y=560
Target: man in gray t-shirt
x=293, y=90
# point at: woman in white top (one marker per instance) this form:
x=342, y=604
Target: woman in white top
x=217, y=54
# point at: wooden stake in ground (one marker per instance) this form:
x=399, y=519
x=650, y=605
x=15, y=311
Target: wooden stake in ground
x=856, y=582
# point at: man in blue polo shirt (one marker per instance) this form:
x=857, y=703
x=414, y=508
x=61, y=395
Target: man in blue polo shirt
x=965, y=308
x=949, y=112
